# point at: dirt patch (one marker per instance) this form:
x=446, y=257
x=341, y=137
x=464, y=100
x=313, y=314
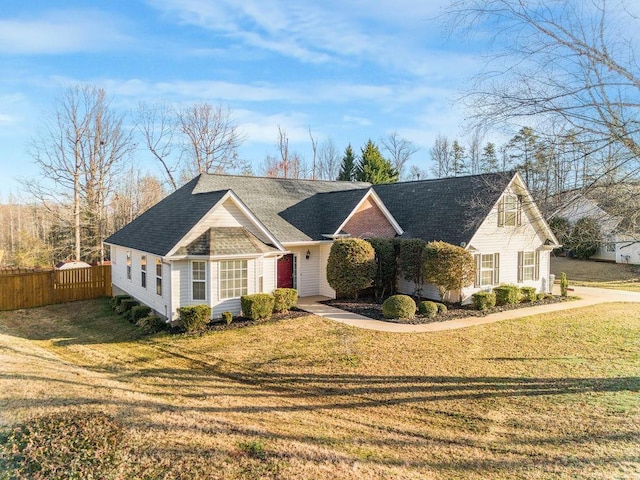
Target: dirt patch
x=372, y=308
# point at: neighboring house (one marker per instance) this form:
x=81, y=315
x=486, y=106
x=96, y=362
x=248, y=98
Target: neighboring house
x=69, y=264
x=617, y=243
x=221, y=236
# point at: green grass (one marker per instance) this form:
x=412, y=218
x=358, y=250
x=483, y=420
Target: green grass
x=553, y=396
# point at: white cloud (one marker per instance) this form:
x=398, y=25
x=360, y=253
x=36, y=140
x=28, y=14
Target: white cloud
x=59, y=32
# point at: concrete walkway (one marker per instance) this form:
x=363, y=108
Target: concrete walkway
x=588, y=296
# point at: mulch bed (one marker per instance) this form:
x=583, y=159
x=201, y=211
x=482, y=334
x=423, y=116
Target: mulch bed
x=372, y=308
x=241, y=322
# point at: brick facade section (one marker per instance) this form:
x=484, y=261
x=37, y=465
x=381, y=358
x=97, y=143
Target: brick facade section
x=369, y=222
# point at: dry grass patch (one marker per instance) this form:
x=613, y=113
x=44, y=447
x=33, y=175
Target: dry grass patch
x=553, y=396
x=598, y=274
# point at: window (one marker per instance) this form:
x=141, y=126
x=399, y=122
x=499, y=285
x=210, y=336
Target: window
x=128, y=265
x=233, y=278
x=528, y=266
x=487, y=269
x=143, y=271
x=199, y=280
x=509, y=210
x=159, y=276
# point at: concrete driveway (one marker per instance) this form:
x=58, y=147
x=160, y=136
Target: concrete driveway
x=588, y=296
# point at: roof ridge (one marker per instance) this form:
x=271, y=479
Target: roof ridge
x=263, y=177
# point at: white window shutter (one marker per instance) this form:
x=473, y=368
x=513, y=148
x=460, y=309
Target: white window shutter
x=520, y=272
x=496, y=268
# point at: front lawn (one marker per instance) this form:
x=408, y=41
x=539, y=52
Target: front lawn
x=553, y=396
x=590, y=273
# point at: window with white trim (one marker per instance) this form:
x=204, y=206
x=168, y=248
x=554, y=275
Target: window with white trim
x=510, y=210
x=528, y=266
x=159, y=276
x=128, y=265
x=233, y=278
x=143, y=271
x=198, y=280
x=487, y=269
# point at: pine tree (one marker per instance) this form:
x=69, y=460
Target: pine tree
x=459, y=159
x=373, y=167
x=348, y=165
x=489, y=159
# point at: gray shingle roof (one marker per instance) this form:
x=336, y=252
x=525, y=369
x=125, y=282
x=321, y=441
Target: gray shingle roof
x=292, y=210
x=161, y=227
x=446, y=209
x=226, y=241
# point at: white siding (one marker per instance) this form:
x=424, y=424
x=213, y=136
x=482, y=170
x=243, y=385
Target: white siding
x=308, y=270
x=508, y=241
x=324, y=287
x=133, y=287
x=627, y=252
x=428, y=290
x=226, y=215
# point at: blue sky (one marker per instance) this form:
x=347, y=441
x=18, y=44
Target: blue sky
x=348, y=70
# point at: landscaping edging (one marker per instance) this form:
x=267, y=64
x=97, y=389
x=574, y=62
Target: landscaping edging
x=371, y=308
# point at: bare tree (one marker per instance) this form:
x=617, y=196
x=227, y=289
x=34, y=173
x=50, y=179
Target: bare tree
x=157, y=125
x=79, y=151
x=287, y=164
x=328, y=160
x=399, y=149
x=441, y=157
x=314, y=146
x=136, y=193
x=212, y=139
x=572, y=63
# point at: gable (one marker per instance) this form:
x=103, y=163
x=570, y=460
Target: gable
x=368, y=221
x=227, y=214
x=161, y=227
x=530, y=232
x=446, y=209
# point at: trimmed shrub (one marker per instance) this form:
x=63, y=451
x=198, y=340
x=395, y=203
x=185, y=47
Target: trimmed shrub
x=194, y=317
x=284, y=299
x=384, y=281
x=257, y=306
x=116, y=299
x=410, y=261
x=541, y=296
x=484, y=300
x=126, y=305
x=351, y=266
x=528, y=294
x=399, y=306
x=428, y=309
x=507, y=294
x=227, y=317
x=151, y=324
x=564, y=284
x=448, y=266
x=138, y=312
x=442, y=308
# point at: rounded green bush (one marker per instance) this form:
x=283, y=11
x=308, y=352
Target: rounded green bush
x=399, y=306
x=442, y=308
x=483, y=300
x=428, y=309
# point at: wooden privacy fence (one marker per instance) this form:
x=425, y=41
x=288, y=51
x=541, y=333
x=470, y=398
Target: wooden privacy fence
x=35, y=289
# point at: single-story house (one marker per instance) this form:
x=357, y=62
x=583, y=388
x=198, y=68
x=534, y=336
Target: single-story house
x=222, y=236
x=618, y=242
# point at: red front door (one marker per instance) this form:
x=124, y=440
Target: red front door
x=285, y=272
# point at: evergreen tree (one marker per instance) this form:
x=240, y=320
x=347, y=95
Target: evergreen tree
x=348, y=165
x=459, y=159
x=489, y=159
x=373, y=167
